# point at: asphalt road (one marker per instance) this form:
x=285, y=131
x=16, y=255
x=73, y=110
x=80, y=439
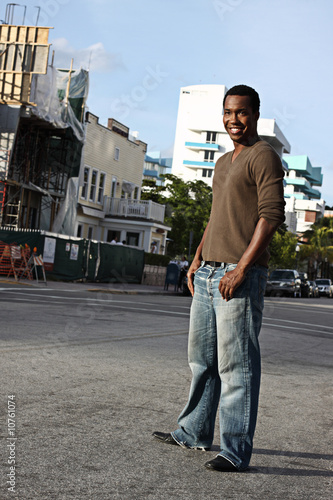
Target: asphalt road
x=92, y=374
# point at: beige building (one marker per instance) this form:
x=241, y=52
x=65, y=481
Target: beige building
x=109, y=205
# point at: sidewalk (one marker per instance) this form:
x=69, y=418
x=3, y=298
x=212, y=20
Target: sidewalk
x=116, y=288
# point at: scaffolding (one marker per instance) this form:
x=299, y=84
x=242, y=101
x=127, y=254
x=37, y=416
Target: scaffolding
x=47, y=137
x=24, y=51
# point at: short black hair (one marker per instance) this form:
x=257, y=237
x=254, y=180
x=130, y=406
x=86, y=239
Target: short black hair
x=244, y=90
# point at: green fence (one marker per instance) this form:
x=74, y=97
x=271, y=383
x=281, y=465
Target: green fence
x=72, y=259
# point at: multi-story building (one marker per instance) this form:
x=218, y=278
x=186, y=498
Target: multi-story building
x=109, y=205
x=304, y=205
x=200, y=135
x=155, y=166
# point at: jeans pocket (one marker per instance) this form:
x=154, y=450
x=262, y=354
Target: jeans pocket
x=200, y=267
x=230, y=267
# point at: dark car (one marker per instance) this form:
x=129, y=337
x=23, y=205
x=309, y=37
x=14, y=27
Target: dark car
x=284, y=282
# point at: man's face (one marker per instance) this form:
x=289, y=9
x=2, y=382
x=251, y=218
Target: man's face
x=239, y=119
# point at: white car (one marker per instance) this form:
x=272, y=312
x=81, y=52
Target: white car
x=325, y=287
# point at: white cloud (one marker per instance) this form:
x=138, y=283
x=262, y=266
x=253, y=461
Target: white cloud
x=94, y=57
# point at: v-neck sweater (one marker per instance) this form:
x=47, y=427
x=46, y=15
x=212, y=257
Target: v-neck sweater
x=244, y=190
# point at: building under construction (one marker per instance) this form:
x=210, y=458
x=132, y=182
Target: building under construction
x=41, y=127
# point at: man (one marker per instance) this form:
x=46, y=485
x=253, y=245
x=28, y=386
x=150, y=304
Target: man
x=183, y=266
x=227, y=279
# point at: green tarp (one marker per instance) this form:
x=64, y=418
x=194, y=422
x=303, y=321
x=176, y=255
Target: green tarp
x=80, y=259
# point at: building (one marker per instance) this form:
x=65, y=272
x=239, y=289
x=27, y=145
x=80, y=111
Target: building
x=304, y=205
x=155, y=166
x=109, y=205
x=200, y=135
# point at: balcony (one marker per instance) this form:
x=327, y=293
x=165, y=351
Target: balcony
x=203, y=145
x=140, y=209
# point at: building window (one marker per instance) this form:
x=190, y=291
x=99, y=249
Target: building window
x=211, y=137
x=93, y=185
x=300, y=214
x=79, y=231
x=116, y=153
x=101, y=188
x=85, y=183
x=133, y=239
x=209, y=155
x=113, y=187
x=207, y=172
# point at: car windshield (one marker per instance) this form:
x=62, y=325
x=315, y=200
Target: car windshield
x=323, y=282
x=282, y=275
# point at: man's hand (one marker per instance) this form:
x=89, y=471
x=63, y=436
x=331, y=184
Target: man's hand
x=230, y=282
x=193, y=267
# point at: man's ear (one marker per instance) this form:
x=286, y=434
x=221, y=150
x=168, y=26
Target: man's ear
x=257, y=115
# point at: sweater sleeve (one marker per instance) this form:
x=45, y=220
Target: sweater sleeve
x=268, y=174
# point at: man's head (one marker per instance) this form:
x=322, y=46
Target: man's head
x=241, y=113
x=244, y=90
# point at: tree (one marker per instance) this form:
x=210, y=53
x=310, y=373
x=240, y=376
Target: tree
x=319, y=247
x=283, y=249
x=188, y=207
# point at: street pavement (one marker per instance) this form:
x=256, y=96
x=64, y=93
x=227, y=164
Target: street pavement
x=96, y=368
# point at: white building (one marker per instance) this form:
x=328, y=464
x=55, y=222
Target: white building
x=155, y=166
x=109, y=204
x=200, y=135
x=304, y=205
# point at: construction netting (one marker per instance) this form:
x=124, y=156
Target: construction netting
x=60, y=97
x=72, y=259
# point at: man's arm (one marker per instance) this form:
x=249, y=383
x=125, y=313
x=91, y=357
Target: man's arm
x=196, y=263
x=260, y=240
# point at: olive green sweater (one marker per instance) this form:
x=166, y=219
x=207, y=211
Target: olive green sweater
x=244, y=190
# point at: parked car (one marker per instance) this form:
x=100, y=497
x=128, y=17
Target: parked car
x=284, y=282
x=313, y=291
x=325, y=287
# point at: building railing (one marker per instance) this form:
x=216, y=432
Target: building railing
x=143, y=209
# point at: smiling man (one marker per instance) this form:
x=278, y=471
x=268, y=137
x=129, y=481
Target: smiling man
x=227, y=279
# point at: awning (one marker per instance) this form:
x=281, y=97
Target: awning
x=93, y=212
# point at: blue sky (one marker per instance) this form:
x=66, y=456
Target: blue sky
x=141, y=53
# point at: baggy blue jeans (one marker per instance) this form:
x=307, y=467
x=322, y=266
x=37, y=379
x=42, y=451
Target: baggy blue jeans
x=224, y=357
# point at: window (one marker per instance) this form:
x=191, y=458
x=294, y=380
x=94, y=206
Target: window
x=93, y=185
x=133, y=239
x=211, y=137
x=116, y=153
x=101, y=188
x=85, y=183
x=113, y=187
x=300, y=214
x=90, y=232
x=79, y=231
x=209, y=155
x=206, y=172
